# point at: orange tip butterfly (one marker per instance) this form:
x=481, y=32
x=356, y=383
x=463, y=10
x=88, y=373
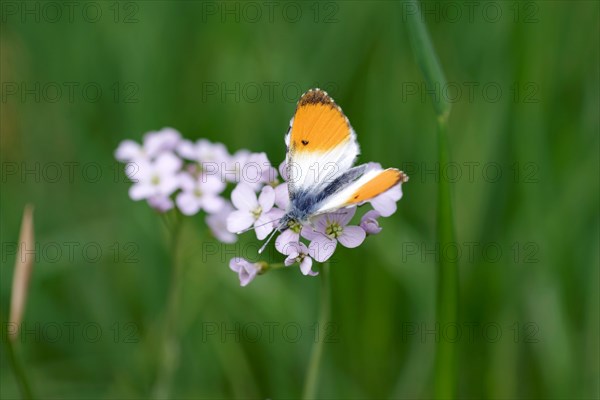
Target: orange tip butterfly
x=321, y=176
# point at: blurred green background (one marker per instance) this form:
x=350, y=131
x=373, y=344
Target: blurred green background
x=524, y=83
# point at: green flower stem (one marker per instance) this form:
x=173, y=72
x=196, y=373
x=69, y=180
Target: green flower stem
x=274, y=266
x=18, y=368
x=446, y=361
x=169, y=348
x=312, y=372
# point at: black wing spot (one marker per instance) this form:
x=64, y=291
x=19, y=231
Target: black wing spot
x=305, y=142
x=356, y=197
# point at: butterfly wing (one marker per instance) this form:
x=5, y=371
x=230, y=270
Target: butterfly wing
x=370, y=185
x=321, y=144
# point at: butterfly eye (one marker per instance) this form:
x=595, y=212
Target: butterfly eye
x=305, y=142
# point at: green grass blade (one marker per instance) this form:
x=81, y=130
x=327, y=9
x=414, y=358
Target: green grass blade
x=427, y=60
x=446, y=375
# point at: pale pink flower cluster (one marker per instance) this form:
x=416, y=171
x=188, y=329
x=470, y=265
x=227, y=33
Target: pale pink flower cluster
x=170, y=172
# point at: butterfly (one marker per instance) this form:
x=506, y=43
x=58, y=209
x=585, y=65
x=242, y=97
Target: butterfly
x=321, y=151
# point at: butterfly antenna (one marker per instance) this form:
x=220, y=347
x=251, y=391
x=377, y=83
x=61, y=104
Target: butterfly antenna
x=278, y=229
x=257, y=226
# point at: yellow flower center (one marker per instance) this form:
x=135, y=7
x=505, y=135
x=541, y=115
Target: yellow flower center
x=334, y=230
x=256, y=212
x=295, y=226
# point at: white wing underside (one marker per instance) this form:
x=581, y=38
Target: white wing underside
x=312, y=171
x=340, y=199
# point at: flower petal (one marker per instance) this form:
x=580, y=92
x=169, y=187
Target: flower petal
x=239, y=220
x=283, y=241
x=263, y=226
x=188, y=203
x=187, y=150
x=166, y=139
x=247, y=274
x=167, y=163
x=141, y=190
x=139, y=170
x=264, y=169
x=371, y=214
x=210, y=152
x=275, y=215
x=369, y=222
x=186, y=181
x=211, y=184
x=290, y=260
x=128, y=150
x=168, y=184
x=302, y=248
x=345, y=216
x=282, y=196
x=310, y=233
x=269, y=175
x=293, y=251
x=266, y=199
x=235, y=264
x=218, y=224
x=384, y=204
x=317, y=225
x=306, y=265
x=211, y=203
x=246, y=270
x=236, y=163
x=244, y=198
x=160, y=203
x=352, y=236
x=320, y=223
x=322, y=248
x=396, y=192
x=373, y=166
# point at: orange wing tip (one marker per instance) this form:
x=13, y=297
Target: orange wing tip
x=379, y=184
x=393, y=175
